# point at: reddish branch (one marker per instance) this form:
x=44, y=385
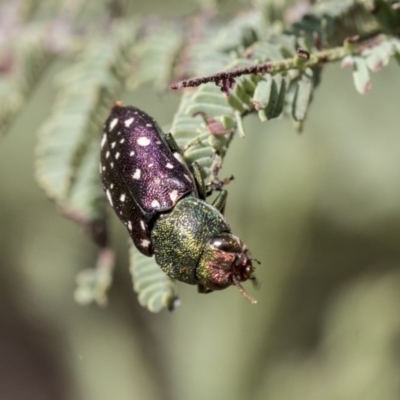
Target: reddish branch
x=303, y=59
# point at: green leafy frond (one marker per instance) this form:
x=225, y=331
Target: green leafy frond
x=334, y=21
x=68, y=148
x=372, y=58
x=200, y=113
x=274, y=90
x=388, y=15
x=156, y=56
x=240, y=33
x=291, y=75
x=302, y=95
x=361, y=77
x=212, y=50
x=185, y=127
x=86, y=92
x=379, y=56
x=187, y=49
x=93, y=283
x=289, y=92
x=271, y=10
x=28, y=59
x=66, y=135
x=201, y=57
x=86, y=194
x=156, y=290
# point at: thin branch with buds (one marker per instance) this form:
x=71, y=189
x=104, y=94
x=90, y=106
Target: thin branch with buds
x=302, y=60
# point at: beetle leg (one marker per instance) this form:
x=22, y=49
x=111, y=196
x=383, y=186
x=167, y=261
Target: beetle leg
x=202, y=289
x=172, y=143
x=198, y=178
x=220, y=201
x=169, y=138
x=215, y=182
x=196, y=140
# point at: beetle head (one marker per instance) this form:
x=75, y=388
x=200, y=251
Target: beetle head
x=225, y=262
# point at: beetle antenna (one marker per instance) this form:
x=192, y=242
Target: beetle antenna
x=255, y=259
x=243, y=291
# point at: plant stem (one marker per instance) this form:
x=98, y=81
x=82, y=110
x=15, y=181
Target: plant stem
x=302, y=60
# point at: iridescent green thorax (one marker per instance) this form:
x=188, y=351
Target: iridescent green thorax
x=179, y=237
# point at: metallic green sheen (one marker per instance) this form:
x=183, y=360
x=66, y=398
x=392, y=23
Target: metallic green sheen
x=180, y=236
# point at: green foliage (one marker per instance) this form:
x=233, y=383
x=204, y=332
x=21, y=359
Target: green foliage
x=157, y=54
x=85, y=92
x=93, y=283
x=191, y=133
x=22, y=69
x=265, y=61
x=68, y=147
x=334, y=21
x=155, y=289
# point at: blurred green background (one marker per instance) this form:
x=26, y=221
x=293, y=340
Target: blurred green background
x=320, y=210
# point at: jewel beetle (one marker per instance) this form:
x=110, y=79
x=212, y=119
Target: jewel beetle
x=161, y=201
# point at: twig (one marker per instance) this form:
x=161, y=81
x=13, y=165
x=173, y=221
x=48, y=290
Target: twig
x=302, y=60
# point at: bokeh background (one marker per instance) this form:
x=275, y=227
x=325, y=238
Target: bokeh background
x=320, y=210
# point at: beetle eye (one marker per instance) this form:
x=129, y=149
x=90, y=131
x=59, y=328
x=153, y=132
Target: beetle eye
x=226, y=242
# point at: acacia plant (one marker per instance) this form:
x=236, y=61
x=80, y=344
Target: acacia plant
x=266, y=60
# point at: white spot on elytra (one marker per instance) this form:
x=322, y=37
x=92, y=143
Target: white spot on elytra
x=150, y=165
x=142, y=225
x=130, y=225
x=103, y=140
x=112, y=145
x=158, y=142
x=107, y=154
x=128, y=122
x=112, y=165
x=109, y=197
x=113, y=123
x=117, y=156
x=103, y=168
x=155, y=204
x=122, y=198
x=169, y=165
x=145, y=243
x=132, y=153
x=137, y=174
x=179, y=158
x=157, y=181
x=143, y=141
x=173, y=195
x=122, y=140
x=118, y=133
x=149, y=125
x=112, y=186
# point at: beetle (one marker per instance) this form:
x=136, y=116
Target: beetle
x=161, y=201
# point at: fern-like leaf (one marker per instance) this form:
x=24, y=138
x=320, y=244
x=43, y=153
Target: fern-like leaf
x=30, y=54
x=156, y=55
x=68, y=149
x=155, y=289
x=86, y=92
